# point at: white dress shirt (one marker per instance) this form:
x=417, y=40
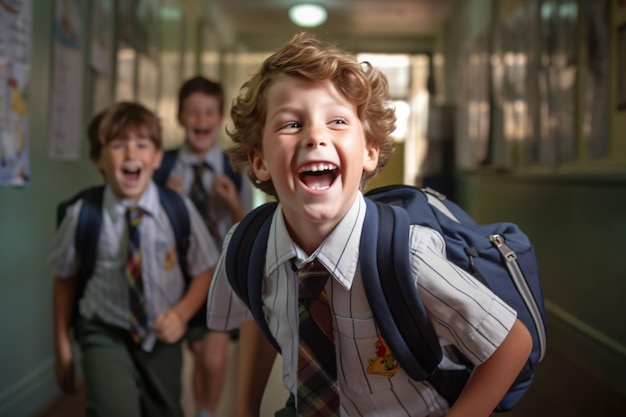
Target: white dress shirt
x=106, y=294
x=215, y=158
x=463, y=313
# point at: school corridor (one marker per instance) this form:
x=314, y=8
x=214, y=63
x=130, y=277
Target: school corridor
x=562, y=388
x=516, y=109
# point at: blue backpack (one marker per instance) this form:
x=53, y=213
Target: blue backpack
x=499, y=255
x=88, y=232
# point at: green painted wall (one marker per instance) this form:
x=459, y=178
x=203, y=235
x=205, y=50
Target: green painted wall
x=573, y=210
x=577, y=226
x=27, y=224
x=27, y=221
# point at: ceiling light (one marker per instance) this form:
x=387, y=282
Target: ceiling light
x=307, y=15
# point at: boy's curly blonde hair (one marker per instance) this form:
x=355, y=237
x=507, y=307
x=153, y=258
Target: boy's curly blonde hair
x=306, y=57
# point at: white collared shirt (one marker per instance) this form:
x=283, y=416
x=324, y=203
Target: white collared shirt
x=215, y=158
x=106, y=294
x=463, y=313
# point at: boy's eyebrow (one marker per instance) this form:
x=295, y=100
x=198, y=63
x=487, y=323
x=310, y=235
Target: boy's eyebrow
x=290, y=108
x=283, y=109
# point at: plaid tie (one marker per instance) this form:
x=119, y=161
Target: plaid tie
x=201, y=198
x=317, y=368
x=137, y=300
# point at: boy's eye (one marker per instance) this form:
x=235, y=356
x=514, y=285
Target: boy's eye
x=143, y=144
x=290, y=125
x=339, y=122
x=116, y=144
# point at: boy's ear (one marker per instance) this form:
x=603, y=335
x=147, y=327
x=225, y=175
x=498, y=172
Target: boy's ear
x=96, y=163
x=370, y=157
x=255, y=158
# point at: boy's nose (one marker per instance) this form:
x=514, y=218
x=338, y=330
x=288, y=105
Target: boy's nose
x=130, y=150
x=315, y=137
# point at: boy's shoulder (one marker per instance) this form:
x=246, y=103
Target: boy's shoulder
x=90, y=198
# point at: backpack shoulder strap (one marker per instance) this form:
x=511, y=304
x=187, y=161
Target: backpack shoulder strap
x=162, y=173
x=232, y=174
x=87, y=227
x=249, y=242
x=177, y=213
x=86, y=235
x=395, y=302
x=88, y=230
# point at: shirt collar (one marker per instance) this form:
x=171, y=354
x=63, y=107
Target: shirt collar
x=213, y=157
x=116, y=207
x=339, y=253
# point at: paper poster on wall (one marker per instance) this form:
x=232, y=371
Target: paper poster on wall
x=67, y=82
x=15, y=52
x=101, y=53
x=101, y=36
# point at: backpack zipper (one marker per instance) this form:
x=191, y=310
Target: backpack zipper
x=517, y=275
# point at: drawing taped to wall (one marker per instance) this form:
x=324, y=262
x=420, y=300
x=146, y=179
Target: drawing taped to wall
x=15, y=41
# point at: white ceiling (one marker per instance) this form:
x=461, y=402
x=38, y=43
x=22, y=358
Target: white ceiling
x=357, y=25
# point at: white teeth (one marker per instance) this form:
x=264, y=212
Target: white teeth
x=317, y=188
x=317, y=167
x=132, y=169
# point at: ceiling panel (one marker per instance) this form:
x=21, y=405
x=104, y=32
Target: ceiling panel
x=357, y=25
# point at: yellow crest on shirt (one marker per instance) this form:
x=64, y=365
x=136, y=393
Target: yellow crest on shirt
x=170, y=259
x=385, y=363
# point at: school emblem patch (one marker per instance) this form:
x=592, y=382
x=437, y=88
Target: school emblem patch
x=170, y=260
x=385, y=363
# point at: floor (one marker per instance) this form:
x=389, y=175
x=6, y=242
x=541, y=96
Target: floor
x=561, y=389
x=74, y=406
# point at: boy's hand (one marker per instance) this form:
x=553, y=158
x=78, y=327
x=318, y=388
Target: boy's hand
x=169, y=326
x=175, y=182
x=226, y=190
x=64, y=371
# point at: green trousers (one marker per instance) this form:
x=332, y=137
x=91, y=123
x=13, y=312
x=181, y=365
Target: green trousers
x=122, y=380
x=290, y=408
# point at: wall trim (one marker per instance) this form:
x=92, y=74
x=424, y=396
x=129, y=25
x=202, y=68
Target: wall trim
x=594, y=351
x=30, y=393
x=608, y=177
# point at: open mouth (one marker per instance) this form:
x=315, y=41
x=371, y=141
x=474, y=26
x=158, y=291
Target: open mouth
x=199, y=132
x=131, y=174
x=318, y=176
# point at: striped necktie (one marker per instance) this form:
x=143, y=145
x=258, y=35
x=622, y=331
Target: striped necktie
x=201, y=199
x=317, y=367
x=137, y=298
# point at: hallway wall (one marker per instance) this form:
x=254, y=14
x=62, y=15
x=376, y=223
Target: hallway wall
x=27, y=219
x=577, y=226
x=540, y=169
